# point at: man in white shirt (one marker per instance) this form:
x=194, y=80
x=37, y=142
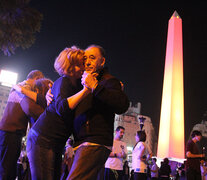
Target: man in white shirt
x=154, y=169
x=114, y=163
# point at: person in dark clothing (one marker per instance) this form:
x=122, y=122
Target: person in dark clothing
x=47, y=137
x=193, y=171
x=33, y=104
x=13, y=126
x=165, y=170
x=94, y=116
x=68, y=159
x=126, y=171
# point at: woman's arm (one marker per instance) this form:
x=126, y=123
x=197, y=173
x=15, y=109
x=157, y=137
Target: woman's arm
x=74, y=100
x=141, y=153
x=31, y=94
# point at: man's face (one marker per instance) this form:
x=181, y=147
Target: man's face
x=120, y=133
x=93, y=60
x=198, y=138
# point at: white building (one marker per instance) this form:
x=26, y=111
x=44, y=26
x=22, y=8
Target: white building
x=4, y=94
x=202, y=127
x=130, y=121
x=7, y=80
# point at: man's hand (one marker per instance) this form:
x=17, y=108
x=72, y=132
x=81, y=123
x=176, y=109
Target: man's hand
x=89, y=80
x=49, y=95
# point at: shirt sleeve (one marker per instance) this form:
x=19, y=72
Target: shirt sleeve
x=61, y=91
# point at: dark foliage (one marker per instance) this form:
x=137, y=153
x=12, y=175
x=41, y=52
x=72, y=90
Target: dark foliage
x=18, y=25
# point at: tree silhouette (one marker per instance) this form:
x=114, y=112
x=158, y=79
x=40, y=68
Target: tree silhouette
x=18, y=25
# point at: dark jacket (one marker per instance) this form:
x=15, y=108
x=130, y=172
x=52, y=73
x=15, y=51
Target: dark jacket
x=54, y=125
x=94, y=116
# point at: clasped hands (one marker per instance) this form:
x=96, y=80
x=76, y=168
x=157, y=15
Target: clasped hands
x=89, y=80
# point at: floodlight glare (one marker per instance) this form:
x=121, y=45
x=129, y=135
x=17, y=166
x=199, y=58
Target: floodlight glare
x=8, y=78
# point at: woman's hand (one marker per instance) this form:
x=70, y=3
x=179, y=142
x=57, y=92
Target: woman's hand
x=49, y=96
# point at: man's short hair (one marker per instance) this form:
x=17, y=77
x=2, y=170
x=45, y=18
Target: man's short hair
x=196, y=133
x=155, y=159
x=119, y=127
x=101, y=49
x=35, y=74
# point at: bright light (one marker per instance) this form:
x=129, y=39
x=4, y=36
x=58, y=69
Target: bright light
x=8, y=78
x=129, y=148
x=171, y=133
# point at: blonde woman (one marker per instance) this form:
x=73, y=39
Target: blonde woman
x=49, y=134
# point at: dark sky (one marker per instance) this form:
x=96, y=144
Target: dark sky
x=134, y=36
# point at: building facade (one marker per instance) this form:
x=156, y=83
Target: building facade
x=4, y=94
x=202, y=127
x=130, y=120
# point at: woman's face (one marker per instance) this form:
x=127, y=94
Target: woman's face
x=137, y=138
x=78, y=69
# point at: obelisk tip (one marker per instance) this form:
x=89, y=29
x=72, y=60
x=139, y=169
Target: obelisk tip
x=176, y=15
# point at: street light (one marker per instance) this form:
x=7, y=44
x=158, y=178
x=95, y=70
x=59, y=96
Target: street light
x=8, y=78
x=141, y=122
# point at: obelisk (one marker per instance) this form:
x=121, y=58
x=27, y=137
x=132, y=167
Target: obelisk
x=171, y=130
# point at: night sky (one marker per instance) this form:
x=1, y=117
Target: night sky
x=134, y=36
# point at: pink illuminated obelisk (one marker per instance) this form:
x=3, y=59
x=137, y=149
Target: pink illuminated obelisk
x=171, y=130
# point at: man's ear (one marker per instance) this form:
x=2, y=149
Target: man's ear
x=103, y=61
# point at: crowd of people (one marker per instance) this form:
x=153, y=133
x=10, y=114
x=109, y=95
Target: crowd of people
x=81, y=104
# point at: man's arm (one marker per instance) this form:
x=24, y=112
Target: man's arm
x=154, y=169
x=190, y=155
x=123, y=153
x=189, y=150
x=109, y=92
x=26, y=92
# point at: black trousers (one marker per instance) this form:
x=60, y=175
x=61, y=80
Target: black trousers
x=87, y=162
x=140, y=176
x=193, y=175
x=112, y=174
x=10, y=147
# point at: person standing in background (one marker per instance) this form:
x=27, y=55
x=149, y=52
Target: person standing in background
x=193, y=157
x=165, y=170
x=114, y=163
x=140, y=155
x=13, y=126
x=154, y=169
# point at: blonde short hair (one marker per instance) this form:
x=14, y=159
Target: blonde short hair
x=68, y=59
